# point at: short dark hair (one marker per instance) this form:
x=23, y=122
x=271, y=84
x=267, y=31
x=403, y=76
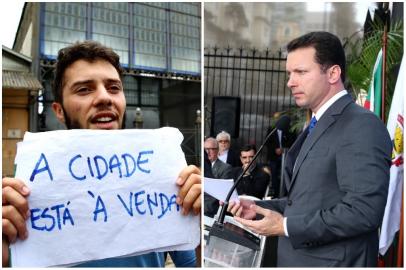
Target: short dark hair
x=248, y=147
x=87, y=50
x=329, y=50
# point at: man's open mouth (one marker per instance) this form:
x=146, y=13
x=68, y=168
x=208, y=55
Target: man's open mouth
x=103, y=118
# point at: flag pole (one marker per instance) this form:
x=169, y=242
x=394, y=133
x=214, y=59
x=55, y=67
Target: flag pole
x=385, y=41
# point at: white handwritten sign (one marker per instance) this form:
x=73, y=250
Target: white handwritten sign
x=98, y=194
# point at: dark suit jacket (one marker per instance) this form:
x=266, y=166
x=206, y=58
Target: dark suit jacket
x=233, y=158
x=337, y=183
x=273, y=143
x=220, y=170
x=254, y=184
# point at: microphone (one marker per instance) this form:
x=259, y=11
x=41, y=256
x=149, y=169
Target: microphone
x=282, y=124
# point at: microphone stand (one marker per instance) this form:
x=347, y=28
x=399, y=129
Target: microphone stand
x=228, y=239
x=282, y=172
x=226, y=202
x=230, y=232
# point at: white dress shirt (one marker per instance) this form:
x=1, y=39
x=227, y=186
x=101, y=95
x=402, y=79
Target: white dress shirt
x=223, y=156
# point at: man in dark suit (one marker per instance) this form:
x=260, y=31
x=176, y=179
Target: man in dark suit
x=336, y=173
x=219, y=170
x=255, y=181
x=226, y=154
x=278, y=142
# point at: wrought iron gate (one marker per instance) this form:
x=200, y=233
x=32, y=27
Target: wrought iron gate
x=258, y=78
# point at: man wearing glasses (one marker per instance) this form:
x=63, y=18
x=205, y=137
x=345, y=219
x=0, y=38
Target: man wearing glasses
x=226, y=154
x=219, y=170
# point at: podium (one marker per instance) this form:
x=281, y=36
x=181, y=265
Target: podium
x=231, y=245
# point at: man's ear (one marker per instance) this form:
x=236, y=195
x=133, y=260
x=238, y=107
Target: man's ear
x=58, y=110
x=334, y=74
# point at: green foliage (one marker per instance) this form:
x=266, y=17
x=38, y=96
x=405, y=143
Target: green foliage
x=361, y=57
x=297, y=119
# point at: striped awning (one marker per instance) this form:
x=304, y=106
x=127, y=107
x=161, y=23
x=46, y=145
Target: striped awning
x=20, y=80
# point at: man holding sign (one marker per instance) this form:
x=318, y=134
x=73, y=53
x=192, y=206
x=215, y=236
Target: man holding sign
x=89, y=94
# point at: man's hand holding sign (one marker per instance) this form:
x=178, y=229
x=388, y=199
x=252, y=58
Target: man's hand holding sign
x=109, y=194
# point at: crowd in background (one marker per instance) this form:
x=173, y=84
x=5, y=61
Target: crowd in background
x=261, y=180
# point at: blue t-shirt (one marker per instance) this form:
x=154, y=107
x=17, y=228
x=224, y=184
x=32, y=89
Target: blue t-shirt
x=154, y=259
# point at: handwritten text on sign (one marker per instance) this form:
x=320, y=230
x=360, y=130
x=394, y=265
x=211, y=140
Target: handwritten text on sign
x=99, y=194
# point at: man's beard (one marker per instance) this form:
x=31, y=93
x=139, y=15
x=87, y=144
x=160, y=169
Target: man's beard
x=74, y=124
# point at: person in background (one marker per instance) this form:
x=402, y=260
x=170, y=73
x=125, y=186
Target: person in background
x=226, y=154
x=219, y=170
x=278, y=142
x=255, y=181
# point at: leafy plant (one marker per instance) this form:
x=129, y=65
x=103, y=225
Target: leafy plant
x=298, y=116
x=362, y=55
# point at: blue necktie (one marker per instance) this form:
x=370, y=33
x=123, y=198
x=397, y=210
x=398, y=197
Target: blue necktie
x=312, y=124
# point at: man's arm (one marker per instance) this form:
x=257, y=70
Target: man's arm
x=15, y=212
x=271, y=223
x=267, y=222
x=277, y=205
x=244, y=208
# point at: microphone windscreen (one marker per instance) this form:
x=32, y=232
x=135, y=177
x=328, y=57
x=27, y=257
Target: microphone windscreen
x=283, y=123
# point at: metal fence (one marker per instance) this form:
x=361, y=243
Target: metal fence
x=258, y=78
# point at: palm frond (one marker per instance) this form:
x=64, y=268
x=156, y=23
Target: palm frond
x=360, y=65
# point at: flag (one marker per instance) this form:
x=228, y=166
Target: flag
x=391, y=218
x=374, y=98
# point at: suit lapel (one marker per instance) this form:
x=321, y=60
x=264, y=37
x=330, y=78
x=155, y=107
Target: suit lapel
x=292, y=156
x=328, y=118
x=322, y=126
